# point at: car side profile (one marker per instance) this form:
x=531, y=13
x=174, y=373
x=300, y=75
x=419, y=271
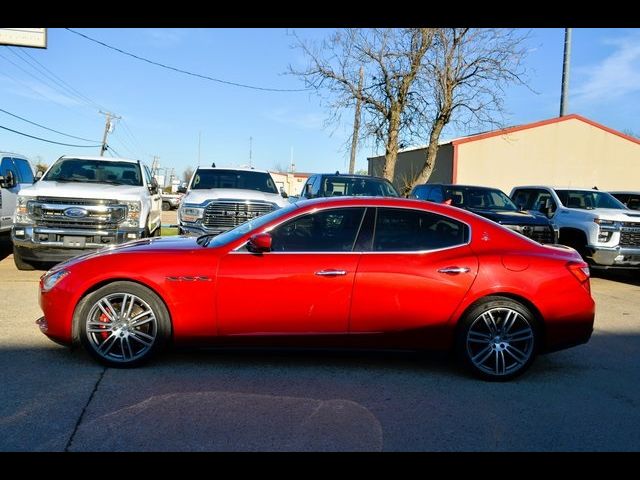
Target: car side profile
x=342, y=272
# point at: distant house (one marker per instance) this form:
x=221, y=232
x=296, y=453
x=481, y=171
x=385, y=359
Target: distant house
x=292, y=183
x=564, y=151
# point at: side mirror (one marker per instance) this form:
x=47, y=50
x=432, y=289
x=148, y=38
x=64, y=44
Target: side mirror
x=39, y=175
x=9, y=181
x=547, y=208
x=182, y=189
x=153, y=187
x=259, y=243
x=307, y=191
x=283, y=193
x=1, y=181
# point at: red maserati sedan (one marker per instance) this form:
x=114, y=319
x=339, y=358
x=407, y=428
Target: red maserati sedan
x=346, y=272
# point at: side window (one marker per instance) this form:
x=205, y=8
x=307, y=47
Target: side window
x=436, y=195
x=421, y=192
x=25, y=173
x=333, y=230
x=405, y=230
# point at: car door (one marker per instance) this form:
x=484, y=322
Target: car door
x=155, y=212
x=418, y=271
x=302, y=286
x=9, y=195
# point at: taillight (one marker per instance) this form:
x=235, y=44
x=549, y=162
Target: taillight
x=581, y=271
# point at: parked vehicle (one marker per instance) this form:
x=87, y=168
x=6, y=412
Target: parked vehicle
x=599, y=227
x=630, y=200
x=337, y=185
x=490, y=203
x=219, y=199
x=171, y=201
x=369, y=272
x=81, y=204
x=16, y=173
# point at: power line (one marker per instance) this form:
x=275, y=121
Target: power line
x=49, y=141
x=111, y=149
x=206, y=77
x=46, y=128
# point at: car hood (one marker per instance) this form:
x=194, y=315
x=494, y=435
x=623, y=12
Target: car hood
x=199, y=197
x=614, y=214
x=83, y=190
x=509, y=217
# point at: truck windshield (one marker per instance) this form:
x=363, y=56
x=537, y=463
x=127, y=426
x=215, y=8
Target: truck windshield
x=205, y=179
x=95, y=171
x=481, y=198
x=589, y=199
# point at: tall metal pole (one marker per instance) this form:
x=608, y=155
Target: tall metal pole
x=356, y=125
x=199, y=139
x=565, y=72
x=250, y=150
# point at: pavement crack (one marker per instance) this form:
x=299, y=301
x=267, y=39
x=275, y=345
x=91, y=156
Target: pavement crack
x=84, y=409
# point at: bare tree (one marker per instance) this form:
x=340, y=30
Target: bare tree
x=392, y=60
x=468, y=70
x=187, y=174
x=40, y=165
x=417, y=81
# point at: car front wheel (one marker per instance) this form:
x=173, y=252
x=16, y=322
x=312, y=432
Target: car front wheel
x=123, y=324
x=497, y=339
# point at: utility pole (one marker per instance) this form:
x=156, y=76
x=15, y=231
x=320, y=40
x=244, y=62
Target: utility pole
x=292, y=166
x=356, y=124
x=250, y=150
x=108, y=127
x=565, y=72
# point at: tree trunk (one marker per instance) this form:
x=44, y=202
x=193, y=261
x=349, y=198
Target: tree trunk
x=432, y=151
x=391, y=148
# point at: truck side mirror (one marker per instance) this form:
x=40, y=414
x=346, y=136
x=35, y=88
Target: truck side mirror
x=153, y=187
x=307, y=191
x=283, y=193
x=182, y=189
x=547, y=208
x=39, y=175
x=9, y=181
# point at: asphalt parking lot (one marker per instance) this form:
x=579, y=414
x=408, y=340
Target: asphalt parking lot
x=53, y=399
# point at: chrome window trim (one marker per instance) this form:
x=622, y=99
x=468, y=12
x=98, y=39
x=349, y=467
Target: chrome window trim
x=400, y=252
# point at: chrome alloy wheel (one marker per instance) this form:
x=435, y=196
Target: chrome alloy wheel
x=500, y=341
x=121, y=327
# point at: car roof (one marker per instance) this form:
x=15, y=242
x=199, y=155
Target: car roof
x=238, y=169
x=13, y=154
x=457, y=185
x=626, y=192
x=349, y=175
x=558, y=188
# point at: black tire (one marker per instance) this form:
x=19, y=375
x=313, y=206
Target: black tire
x=125, y=342
x=166, y=206
x=492, y=353
x=20, y=263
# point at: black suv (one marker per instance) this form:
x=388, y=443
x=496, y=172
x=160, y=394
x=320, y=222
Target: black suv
x=337, y=184
x=490, y=203
x=630, y=199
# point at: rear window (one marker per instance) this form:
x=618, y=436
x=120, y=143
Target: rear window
x=335, y=186
x=244, y=180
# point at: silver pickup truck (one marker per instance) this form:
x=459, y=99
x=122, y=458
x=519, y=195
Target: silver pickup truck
x=81, y=204
x=599, y=227
x=16, y=174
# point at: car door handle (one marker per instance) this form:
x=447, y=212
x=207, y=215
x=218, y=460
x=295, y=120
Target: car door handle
x=454, y=270
x=331, y=273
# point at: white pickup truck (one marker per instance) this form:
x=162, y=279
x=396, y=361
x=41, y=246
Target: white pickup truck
x=84, y=203
x=599, y=227
x=15, y=174
x=219, y=199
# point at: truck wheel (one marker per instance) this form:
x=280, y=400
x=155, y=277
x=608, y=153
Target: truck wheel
x=20, y=263
x=166, y=206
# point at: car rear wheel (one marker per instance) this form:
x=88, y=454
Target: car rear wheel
x=166, y=206
x=497, y=339
x=123, y=324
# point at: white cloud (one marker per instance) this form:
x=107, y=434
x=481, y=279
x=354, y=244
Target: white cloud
x=616, y=75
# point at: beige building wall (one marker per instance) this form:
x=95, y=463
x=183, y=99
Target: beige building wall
x=567, y=153
x=291, y=182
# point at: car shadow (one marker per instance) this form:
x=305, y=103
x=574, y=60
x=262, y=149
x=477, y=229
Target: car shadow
x=632, y=277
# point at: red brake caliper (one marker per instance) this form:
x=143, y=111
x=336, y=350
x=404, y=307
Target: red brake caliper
x=103, y=318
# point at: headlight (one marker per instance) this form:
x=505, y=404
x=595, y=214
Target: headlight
x=191, y=214
x=22, y=209
x=604, y=223
x=51, y=279
x=133, y=214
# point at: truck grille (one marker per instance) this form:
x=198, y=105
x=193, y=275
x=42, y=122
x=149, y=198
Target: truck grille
x=539, y=233
x=76, y=212
x=629, y=239
x=224, y=215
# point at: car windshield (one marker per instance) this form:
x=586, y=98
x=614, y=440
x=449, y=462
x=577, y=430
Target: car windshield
x=589, y=199
x=244, y=228
x=95, y=171
x=481, y=198
x=205, y=179
x=334, y=186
